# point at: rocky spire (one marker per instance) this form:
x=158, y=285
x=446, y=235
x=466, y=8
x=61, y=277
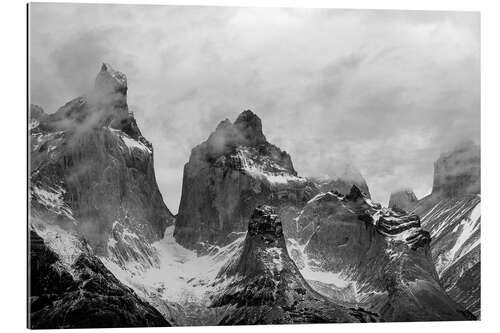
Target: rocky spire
x=270, y=287
x=264, y=245
x=249, y=126
x=105, y=105
x=111, y=81
x=245, y=131
x=355, y=194
x=93, y=162
x=230, y=174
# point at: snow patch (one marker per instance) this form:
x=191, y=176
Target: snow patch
x=262, y=169
x=65, y=244
x=466, y=228
x=181, y=275
x=129, y=142
x=52, y=198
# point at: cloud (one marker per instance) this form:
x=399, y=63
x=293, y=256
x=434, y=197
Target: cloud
x=387, y=91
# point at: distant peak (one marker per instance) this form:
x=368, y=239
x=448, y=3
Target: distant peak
x=246, y=131
x=355, y=193
x=403, y=199
x=223, y=124
x=247, y=116
x=250, y=126
x=109, y=80
x=458, y=171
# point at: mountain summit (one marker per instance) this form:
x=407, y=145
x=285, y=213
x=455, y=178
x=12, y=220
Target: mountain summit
x=93, y=183
x=404, y=200
x=457, y=172
x=230, y=174
x=92, y=157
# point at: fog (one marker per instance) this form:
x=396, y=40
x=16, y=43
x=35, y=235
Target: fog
x=386, y=91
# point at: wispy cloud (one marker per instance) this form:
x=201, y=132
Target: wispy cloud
x=385, y=90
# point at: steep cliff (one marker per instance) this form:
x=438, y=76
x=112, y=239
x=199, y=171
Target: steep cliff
x=94, y=199
x=92, y=169
x=230, y=174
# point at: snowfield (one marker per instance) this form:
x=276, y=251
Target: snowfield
x=458, y=224
x=181, y=275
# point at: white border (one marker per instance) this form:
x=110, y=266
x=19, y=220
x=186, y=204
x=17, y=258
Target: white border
x=13, y=155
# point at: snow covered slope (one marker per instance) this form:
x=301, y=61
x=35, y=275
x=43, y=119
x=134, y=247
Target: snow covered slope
x=180, y=282
x=363, y=255
x=455, y=226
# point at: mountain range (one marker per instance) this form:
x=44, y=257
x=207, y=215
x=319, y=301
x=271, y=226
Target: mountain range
x=253, y=241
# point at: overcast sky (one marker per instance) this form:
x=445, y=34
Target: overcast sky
x=387, y=91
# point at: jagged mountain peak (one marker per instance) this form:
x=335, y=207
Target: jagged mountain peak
x=111, y=80
x=104, y=105
x=250, y=126
x=355, y=193
x=252, y=171
x=245, y=131
x=267, y=287
x=92, y=157
x=264, y=248
x=403, y=199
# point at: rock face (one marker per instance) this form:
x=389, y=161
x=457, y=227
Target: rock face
x=230, y=174
x=100, y=249
x=81, y=293
x=92, y=168
x=267, y=286
x=452, y=214
x=377, y=258
x=94, y=199
x=404, y=200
